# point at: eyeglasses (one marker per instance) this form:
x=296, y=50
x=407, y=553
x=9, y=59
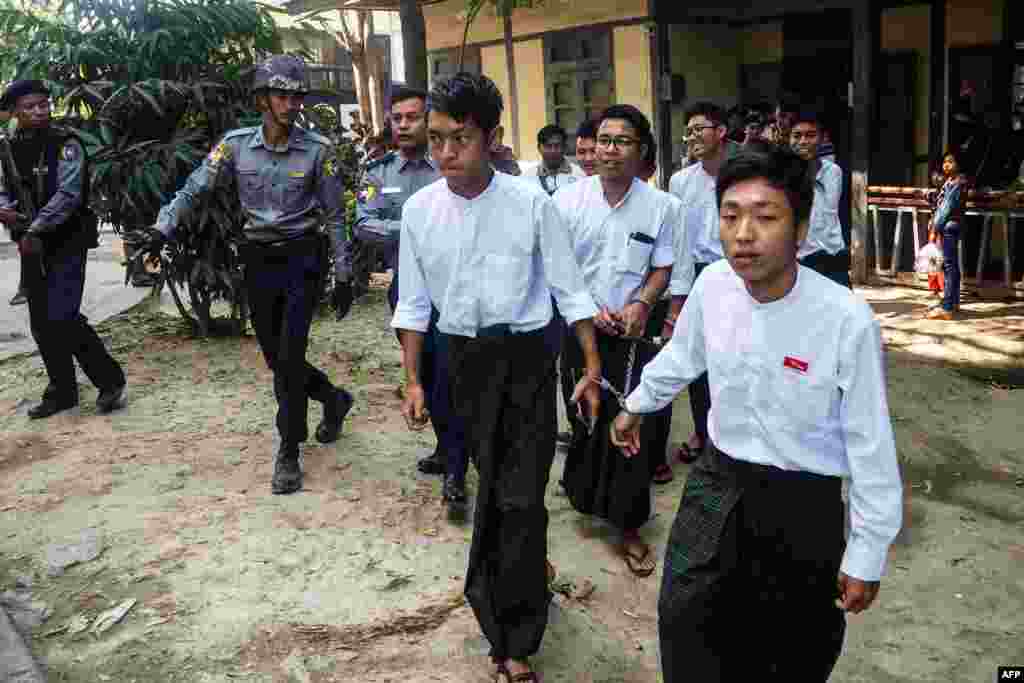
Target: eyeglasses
x=621, y=142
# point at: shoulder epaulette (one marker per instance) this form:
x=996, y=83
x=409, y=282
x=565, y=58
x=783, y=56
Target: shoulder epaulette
x=237, y=132
x=381, y=161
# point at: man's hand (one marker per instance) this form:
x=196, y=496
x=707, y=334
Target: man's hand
x=342, y=299
x=608, y=322
x=30, y=245
x=668, y=329
x=856, y=595
x=625, y=433
x=414, y=407
x=587, y=395
x=634, y=317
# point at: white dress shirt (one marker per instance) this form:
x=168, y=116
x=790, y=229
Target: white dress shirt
x=617, y=246
x=825, y=232
x=495, y=259
x=553, y=181
x=798, y=384
x=696, y=190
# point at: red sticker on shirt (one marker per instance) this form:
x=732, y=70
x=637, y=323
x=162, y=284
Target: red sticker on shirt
x=795, y=364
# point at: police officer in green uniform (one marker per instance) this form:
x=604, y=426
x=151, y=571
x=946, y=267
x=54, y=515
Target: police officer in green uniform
x=44, y=192
x=288, y=183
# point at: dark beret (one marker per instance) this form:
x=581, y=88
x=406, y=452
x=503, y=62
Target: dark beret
x=21, y=89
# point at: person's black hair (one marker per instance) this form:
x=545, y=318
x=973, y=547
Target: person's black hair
x=635, y=118
x=550, y=131
x=811, y=115
x=709, y=110
x=754, y=118
x=779, y=166
x=467, y=96
x=587, y=130
x=402, y=93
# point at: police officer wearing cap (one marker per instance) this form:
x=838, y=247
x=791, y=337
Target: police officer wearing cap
x=288, y=183
x=44, y=203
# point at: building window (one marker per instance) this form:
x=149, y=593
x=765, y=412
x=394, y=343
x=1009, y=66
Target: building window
x=445, y=63
x=578, y=74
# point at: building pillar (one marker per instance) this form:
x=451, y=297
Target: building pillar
x=866, y=30
x=939, y=87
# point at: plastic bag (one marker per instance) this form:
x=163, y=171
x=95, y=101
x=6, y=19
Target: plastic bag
x=929, y=259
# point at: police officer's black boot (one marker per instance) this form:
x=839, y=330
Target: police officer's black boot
x=335, y=411
x=287, y=473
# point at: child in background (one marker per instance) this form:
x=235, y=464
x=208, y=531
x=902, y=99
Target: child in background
x=947, y=217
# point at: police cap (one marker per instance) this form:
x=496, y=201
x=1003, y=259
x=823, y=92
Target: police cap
x=281, y=72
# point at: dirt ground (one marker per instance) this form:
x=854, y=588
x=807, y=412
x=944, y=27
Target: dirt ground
x=359, y=577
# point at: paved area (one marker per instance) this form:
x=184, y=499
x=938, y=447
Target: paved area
x=105, y=292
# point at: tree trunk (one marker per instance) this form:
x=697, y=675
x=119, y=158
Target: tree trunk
x=375, y=68
x=513, y=88
x=414, y=44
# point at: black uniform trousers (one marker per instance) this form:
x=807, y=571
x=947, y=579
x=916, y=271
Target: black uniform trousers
x=437, y=392
x=284, y=282
x=750, y=579
x=700, y=391
x=56, y=283
x=503, y=387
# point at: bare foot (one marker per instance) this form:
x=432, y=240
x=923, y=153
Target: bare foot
x=520, y=671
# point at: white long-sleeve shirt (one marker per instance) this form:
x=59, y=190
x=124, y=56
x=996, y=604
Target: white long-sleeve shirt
x=496, y=259
x=617, y=246
x=797, y=384
x=696, y=190
x=825, y=232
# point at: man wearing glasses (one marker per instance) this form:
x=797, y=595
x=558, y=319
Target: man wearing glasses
x=695, y=188
x=290, y=189
x=622, y=231
x=44, y=193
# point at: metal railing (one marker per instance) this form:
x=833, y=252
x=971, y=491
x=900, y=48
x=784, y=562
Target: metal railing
x=913, y=202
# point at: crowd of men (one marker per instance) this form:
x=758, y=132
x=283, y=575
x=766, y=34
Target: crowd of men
x=584, y=281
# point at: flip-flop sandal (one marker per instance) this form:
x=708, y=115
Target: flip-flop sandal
x=662, y=474
x=634, y=563
x=687, y=455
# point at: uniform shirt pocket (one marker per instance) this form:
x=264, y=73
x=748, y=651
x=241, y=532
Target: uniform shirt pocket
x=251, y=189
x=295, y=193
x=637, y=257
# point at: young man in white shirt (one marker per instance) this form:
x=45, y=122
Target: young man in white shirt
x=824, y=249
x=554, y=171
x=488, y=252
x=586, y=147
x=799, y=402
x=695, y=188
x=621, y=230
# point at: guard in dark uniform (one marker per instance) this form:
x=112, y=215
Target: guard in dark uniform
x=44, y=203
x=288, y=183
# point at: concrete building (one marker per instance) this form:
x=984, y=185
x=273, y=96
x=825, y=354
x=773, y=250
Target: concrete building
x=890, y=71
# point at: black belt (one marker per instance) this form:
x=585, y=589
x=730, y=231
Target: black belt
x=297, y=246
